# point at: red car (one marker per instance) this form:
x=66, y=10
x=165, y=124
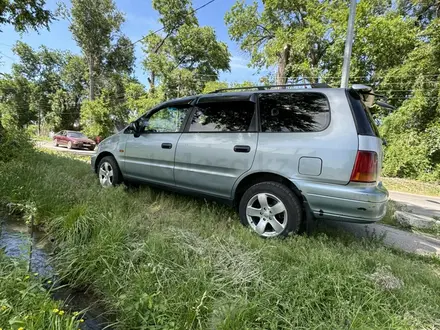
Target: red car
x=73, y=139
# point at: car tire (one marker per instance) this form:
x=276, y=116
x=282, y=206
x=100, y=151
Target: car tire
x=55, y=143
x=271, y=209
x=69, y=145
x=109, y=173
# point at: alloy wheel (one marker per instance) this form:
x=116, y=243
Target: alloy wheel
x=106, y=174
x=266, y=214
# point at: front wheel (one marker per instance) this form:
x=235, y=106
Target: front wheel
x=271, y=209
x=55, y=143
x=108, y=172
x=69, y=145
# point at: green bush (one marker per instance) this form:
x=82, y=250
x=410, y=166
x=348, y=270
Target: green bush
x=413, y=136
x=14, y=143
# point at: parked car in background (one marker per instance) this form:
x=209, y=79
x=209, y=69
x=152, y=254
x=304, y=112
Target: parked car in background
x=279, y=155
x=73, y=139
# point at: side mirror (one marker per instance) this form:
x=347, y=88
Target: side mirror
x=134, y=127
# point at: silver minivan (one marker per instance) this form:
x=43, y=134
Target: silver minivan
x=281, y=156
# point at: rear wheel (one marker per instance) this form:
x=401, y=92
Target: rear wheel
x=271, y=209
x=108, y=172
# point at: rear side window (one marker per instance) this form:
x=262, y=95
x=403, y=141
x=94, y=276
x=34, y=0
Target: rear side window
x=363, y=119
x=294, y=112
x=223, y=117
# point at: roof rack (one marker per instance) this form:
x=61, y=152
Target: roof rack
x=261, y=88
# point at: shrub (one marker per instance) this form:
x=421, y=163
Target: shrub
x=14, y=143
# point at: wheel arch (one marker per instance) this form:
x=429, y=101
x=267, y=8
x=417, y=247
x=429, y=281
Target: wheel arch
x=258, y=177
x=101, y=156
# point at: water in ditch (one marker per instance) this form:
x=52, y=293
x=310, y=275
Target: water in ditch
x=15, y=239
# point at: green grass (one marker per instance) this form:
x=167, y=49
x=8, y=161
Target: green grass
x=25, y=304
x=164, y=261
x=412, y=186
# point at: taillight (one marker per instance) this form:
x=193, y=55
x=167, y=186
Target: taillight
x=365, y=167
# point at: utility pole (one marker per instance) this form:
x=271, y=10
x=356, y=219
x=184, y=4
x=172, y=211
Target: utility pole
x=348, y=45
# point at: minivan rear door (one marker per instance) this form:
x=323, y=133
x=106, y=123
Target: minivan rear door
x=218, y=144
x=368, y=133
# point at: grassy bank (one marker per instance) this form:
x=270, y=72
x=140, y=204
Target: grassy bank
x=412, y=186
x=166, y=261
x=25, y=304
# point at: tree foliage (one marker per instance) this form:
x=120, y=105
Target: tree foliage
x=95, y=26
x=25, y=14
x=186, y=55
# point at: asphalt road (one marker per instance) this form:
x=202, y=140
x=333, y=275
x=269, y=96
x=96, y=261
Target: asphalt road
x=49, y=145
x=418, y=204
x=407, y=241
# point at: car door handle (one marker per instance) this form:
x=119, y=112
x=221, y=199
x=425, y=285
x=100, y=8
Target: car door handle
x=167, y=145
x=242, y=148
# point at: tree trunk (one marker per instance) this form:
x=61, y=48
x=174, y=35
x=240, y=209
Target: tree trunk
x=152, y=81
x=91, y=78
x=283, y=61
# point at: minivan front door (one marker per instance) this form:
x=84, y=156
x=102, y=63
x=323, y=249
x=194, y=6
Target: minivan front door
x=217, y=146
x=150, y=157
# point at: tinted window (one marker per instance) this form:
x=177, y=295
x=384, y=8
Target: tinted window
x=76, y=135
x=223, y=117
x=166, y=120
x=294, y=112
x=364, y=121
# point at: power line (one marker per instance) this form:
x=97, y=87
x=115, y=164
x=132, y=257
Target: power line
x=8, y=56
x=162, y=28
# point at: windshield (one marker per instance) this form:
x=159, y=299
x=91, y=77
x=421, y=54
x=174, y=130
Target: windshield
x=77, y=135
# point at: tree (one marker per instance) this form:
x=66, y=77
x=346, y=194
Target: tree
x=41, y=69
x=186, y=55
x=24, y=14
x=16, y=107
x=305, y=39
x=45, y=87
x=95, y=27
x=292, y=35
x=211, y=86
x=138, y=100
x=413, y=131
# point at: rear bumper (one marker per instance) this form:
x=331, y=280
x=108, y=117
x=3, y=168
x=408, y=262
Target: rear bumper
x=350, y=203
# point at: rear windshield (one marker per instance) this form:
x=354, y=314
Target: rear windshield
x=363, y=119
x=76, y=135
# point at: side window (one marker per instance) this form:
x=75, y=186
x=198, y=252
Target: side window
x=166, y=120
x=223, y=117
x=294, y=112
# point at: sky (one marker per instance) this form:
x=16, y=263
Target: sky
x=140, y=18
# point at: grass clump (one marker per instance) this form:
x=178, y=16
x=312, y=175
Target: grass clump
x=25, y=304
x=161, y=260
x=412, y=186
